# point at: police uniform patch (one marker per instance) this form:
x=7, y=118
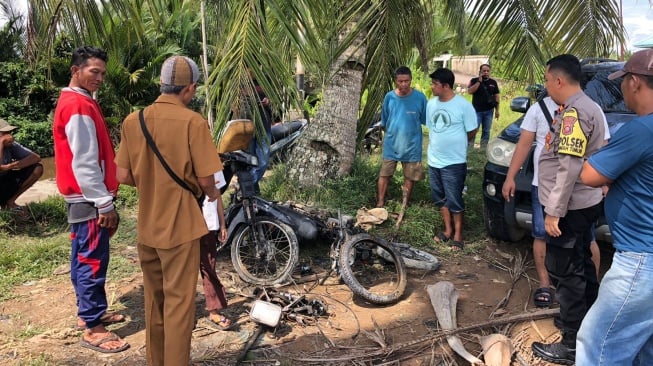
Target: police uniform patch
x=572, y=138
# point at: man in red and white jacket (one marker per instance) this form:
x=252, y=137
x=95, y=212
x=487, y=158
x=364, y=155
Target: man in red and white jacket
x=86, y=177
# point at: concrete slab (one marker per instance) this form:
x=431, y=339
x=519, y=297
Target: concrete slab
x=39, y=192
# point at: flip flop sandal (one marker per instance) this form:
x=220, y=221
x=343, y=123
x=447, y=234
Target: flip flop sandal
x=542, y=297
x=223, y=324
x=107, y=319
x=459, y=245
x=441, y=238
x=96, y=345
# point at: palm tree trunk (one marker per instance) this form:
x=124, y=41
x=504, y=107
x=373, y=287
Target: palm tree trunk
x=328, y=147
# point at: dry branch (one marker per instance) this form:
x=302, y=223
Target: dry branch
x=536, y=315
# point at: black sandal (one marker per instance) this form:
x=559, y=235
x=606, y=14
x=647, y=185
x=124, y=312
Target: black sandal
x=441, y=238
x=542, y=297
x=456, y=245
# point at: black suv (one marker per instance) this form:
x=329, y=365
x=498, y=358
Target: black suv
x=510, y=221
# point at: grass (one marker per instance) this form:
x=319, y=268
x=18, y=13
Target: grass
x=32, y=249
x=30, y=331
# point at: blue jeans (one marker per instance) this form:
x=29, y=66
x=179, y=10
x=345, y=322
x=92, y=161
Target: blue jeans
x=447, y=186
x=618, y=328
x=262, y=152
x=537, y=231
x=485, y=124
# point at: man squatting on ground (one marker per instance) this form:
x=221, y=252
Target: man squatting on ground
x=19, y=169
x=86, y=178
x=570, y=207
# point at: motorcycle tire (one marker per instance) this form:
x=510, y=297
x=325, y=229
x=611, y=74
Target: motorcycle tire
x=369, y=275
x=413, y=258
x=272, y=258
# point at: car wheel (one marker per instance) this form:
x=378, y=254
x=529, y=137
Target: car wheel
x=496, y=224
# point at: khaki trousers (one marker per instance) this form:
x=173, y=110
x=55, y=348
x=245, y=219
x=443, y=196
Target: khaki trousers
x=169, y=281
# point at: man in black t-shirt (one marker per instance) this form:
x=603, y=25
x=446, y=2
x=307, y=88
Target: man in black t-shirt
x=485, y=99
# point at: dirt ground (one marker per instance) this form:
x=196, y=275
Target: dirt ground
x=36, y=326
x=496, y=282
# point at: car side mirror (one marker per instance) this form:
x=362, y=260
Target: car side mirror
x=520, y=104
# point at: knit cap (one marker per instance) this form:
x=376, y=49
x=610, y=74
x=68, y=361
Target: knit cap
x=179, y=71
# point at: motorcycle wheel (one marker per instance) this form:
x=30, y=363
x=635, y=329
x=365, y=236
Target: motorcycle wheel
x=266, y=252
x=369, y=275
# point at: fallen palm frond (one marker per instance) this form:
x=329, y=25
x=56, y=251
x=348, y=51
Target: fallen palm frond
x=444, y=298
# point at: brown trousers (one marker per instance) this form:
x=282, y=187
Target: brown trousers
x=216, y=297
x=169, y=281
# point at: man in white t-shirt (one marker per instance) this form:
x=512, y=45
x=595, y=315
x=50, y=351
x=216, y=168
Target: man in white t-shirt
x=535, y=127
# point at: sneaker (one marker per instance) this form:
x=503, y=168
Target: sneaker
x=556, y=353
x=465, y=190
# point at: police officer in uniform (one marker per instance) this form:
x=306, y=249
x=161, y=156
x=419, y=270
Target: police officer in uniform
x=570, y=207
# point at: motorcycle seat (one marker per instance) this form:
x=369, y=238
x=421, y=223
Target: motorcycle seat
x=285, y=129
x=237, y=135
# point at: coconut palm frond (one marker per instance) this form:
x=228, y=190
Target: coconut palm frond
x=521, y=34
x=525, y=33
x=388, y=46
x=243, y=47
x=455, y=17
x=588, y=28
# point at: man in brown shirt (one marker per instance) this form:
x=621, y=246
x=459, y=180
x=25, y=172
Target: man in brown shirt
x=570, y=207
x=170, y=221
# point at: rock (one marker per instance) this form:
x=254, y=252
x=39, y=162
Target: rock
x=61, y=270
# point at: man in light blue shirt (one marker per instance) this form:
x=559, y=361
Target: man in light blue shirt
x=402, y=117
x=451, y=121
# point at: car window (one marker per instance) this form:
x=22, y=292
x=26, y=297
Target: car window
x=606, y=93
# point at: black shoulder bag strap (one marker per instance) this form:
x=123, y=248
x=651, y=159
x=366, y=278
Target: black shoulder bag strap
x=172, y=174
x=547, y=115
